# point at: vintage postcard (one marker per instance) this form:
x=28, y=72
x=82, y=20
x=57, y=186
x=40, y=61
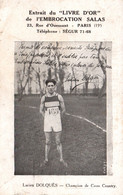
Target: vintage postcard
x=61, y=97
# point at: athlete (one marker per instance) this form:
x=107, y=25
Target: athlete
x=52, y=109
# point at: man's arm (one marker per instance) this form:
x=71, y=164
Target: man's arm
x=62, y=105
x=42, y=106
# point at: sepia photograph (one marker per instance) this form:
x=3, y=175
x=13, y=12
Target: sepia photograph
x=61, y=97
x=60, y=108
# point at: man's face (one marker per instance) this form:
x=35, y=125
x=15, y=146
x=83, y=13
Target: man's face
x=50, y=87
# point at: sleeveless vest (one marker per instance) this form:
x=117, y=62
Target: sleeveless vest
x=52, y=105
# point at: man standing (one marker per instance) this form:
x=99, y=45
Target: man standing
x=52, y=109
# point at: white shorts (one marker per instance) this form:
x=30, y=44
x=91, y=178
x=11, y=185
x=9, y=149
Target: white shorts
x=52, y=120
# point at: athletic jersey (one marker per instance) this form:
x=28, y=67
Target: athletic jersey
x=52, y=119
x=52, y=105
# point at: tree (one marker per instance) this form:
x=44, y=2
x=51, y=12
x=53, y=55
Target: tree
x=103, y=62
x=59, y=68
x=25, y=76
x=86, y=79
x=25, y=79
x=102, y=59
x=38, y=79
x=56, y=66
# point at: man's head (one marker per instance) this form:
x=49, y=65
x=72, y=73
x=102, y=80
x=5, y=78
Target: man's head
x=50, y=84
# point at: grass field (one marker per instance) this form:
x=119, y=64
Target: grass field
x=84, y=144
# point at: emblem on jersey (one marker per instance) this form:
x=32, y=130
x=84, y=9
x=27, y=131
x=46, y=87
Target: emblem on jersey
x=53, y=111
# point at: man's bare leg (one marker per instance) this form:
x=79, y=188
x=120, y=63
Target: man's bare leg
x=47, y=147
x=59, y=147
x=47, y=144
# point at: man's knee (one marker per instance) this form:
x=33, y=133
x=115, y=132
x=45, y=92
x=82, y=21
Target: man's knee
x=58, y=142
x=58, y=138
x=48, y=142
x=47, y=138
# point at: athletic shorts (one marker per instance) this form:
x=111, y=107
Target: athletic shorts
x=52, y=120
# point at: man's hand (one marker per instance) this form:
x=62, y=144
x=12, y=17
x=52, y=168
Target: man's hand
x=62, y=114
x=42, y=106
x=62, y=105
x=41, y=112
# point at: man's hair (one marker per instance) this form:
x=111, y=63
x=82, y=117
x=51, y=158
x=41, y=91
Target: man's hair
x=50, y=81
